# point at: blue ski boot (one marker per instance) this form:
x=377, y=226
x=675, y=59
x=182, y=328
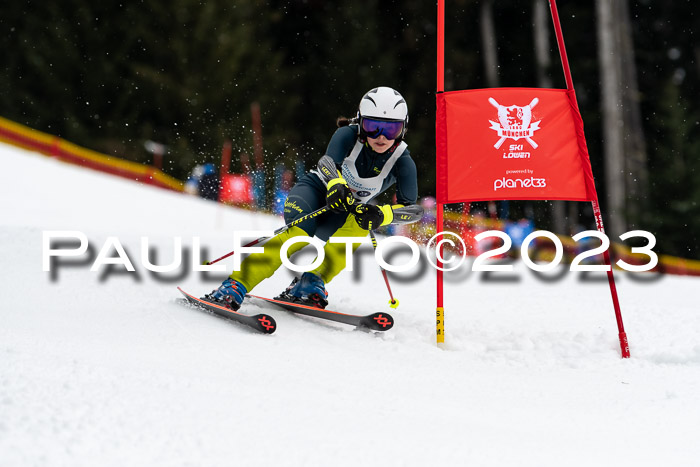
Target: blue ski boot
x=309, y=290
x=229, y=294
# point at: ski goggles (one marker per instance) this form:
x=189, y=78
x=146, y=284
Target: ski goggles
x=374, y=128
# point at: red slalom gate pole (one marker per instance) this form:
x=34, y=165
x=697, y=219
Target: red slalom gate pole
x=439, y=224
x=624, y=344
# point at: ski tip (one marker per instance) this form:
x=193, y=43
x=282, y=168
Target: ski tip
x=379, y=321
x=266, y=323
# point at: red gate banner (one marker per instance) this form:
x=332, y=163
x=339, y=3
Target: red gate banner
x=510, y=144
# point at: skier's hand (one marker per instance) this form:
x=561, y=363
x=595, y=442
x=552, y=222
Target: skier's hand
x=339, y=197
x=370, y=217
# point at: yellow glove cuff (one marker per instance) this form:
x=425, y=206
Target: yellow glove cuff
x=335, y=181
x=388, y=214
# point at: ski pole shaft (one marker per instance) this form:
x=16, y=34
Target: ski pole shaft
x=254, y=242
x=393, y=303
x=276, y=232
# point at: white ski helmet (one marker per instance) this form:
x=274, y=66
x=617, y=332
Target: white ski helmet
x=383, y=104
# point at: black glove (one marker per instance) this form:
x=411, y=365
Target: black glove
x=370, y=217
x=339, y=197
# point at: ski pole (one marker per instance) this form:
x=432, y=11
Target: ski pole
x=276, y=232
x=393, y=303
x=402, y=215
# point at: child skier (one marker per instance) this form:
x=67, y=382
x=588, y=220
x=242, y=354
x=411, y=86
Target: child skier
x=370, y=156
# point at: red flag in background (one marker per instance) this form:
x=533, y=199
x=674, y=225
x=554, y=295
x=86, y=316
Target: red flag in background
x=511, y=143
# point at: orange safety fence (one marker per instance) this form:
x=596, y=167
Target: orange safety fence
x=19, y=135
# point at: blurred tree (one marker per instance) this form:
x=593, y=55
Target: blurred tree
x=611, y=106
x=625, y=151
x=669, y=79
x=110, y=76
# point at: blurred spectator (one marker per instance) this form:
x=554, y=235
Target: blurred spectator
x=517, y=231
x=204, y=182
x=286, y=182
x=429, y=204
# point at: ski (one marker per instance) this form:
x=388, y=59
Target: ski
x=375, y=321
x=261, y=322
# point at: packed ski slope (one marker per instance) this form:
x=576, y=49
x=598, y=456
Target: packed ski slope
x=107, y=368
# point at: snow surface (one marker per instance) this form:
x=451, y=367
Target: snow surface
x=108, y=368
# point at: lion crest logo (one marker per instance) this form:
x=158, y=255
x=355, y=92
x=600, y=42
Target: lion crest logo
x=515, y=122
